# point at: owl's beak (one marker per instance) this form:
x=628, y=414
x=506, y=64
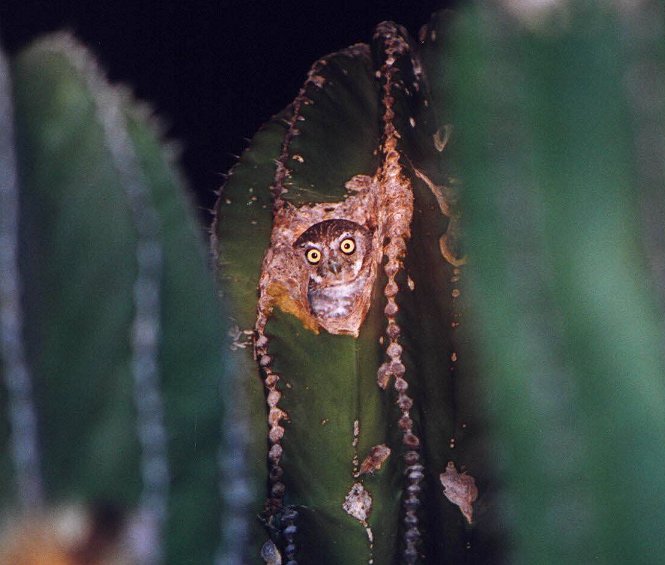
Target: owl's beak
x=335, y=267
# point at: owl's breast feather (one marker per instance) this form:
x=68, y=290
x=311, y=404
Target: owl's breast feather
x=335, y=301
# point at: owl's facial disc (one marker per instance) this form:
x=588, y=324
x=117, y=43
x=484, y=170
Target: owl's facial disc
x=333, y=251
x=339, y=253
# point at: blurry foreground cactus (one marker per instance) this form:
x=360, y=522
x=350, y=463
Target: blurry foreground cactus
x=560, y=109
x=110, y=324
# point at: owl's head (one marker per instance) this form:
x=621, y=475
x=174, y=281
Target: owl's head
x=334, y=251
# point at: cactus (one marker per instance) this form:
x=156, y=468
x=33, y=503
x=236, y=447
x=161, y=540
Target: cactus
x=363, y=115
x=534, y=373
x=111, y=327
x=560, y=112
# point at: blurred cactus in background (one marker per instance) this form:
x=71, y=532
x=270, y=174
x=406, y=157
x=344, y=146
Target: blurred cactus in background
x=560, y=109
x=111, y=328
x=506, y=408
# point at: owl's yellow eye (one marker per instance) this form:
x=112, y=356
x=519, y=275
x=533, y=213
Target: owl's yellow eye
x=313, y=256
x=348, y=246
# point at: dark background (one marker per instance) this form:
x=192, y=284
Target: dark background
x=214, y=70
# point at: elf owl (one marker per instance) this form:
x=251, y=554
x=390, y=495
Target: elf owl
x=337, y=256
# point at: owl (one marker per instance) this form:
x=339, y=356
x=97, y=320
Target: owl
x=336, y=255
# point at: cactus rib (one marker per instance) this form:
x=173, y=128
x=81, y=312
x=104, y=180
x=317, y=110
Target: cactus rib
x=398, y=210
x=17, y=375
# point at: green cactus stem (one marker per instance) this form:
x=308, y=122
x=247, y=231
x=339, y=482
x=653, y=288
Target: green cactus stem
x=121, y=324
x=560, y=113
x=354, y=467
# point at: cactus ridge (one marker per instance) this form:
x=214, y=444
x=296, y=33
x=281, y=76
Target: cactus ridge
x=146, y=325
x=17, y=375
x=398, y=195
